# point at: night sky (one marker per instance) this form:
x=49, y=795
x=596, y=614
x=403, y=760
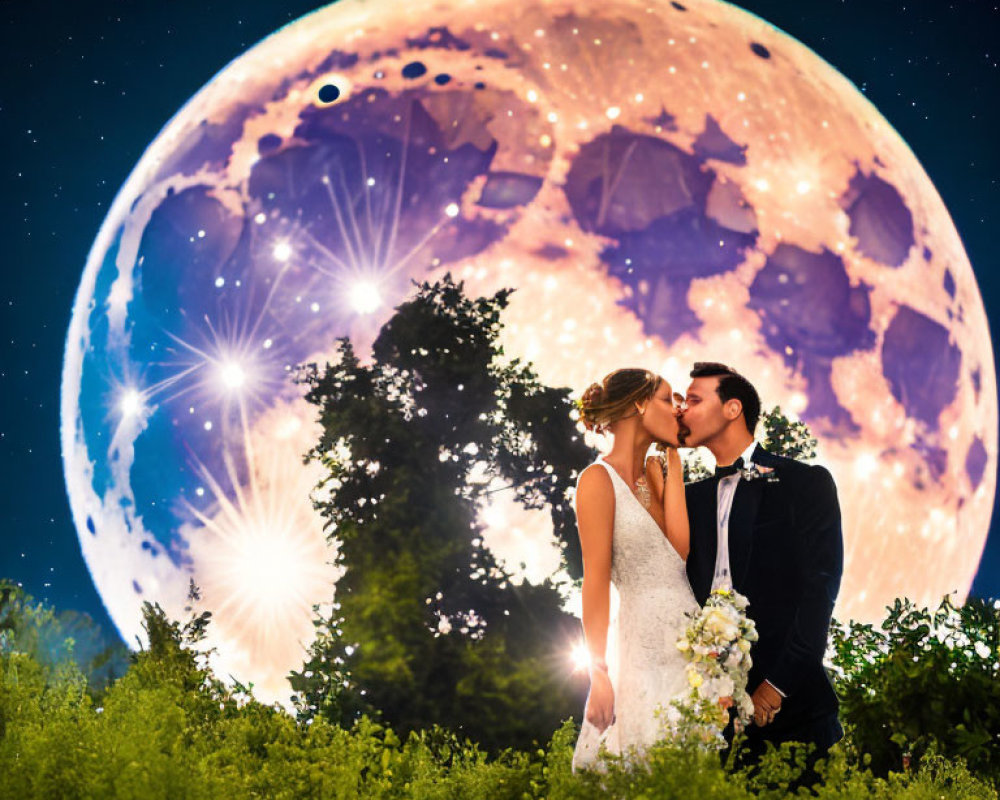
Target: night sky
x=85, y=87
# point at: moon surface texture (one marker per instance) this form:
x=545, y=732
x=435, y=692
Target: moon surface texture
x=661, y=183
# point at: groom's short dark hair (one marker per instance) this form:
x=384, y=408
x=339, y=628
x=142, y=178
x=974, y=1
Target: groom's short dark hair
x=732, y=386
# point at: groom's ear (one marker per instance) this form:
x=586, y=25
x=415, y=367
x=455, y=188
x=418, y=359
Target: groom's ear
x=732, y=409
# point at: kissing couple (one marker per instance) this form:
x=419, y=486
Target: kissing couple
x=666, y=547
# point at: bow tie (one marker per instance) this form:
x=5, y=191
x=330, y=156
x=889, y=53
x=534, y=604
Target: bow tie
x=732, y=469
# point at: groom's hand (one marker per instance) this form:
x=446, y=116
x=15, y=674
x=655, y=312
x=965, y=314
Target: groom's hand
x=766, y=703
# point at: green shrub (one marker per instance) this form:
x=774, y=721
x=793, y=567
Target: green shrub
x=51, y=638
x=169, y=729
x=924, y=681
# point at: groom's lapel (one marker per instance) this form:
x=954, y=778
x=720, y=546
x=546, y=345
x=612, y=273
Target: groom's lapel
x=741, y=519
x=765, y=458
x=743, y=515
x=709, y=535
x=704, y=542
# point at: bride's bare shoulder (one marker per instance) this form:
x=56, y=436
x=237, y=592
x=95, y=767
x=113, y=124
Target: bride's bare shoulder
x=594, y=472
x=595, y=495
x=595, y=479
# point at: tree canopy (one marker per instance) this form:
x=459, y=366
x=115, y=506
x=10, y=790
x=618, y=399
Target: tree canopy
x=428, y=628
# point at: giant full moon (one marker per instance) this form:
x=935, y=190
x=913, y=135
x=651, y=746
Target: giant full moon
x=662, y=182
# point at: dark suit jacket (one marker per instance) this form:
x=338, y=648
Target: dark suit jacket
x=786, y=556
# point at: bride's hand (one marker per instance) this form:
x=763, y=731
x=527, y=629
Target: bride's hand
x=600, y=709
x=668, y=458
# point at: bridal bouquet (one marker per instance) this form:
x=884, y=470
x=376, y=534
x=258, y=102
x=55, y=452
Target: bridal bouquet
x=717, y=646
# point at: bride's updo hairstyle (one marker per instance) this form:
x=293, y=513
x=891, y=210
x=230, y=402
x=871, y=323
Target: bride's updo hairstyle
x=614, y=397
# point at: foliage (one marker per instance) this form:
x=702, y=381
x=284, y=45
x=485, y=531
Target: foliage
x=786, y=437
x=427, y=626
x=695, y=468
x=170, y=729
x=51, y=639
x=923, y=682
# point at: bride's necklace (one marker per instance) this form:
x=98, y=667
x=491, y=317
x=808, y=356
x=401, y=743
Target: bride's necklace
x=639, y=488
x=641, y=491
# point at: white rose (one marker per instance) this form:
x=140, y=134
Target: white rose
x=729, y=633
x=720, y=625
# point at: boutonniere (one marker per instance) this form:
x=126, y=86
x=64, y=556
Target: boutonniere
x=752, y=472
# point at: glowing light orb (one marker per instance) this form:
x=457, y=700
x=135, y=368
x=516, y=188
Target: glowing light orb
x=131, y=402
x=232, y=375
x=580, y=657
x=651, y=202
x=365, y=297
x=282, y=251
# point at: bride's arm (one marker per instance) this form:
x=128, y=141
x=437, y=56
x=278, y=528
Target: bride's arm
x=595, y=512
x=675, y=511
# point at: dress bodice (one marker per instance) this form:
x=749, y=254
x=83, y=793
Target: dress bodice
x=642, y=558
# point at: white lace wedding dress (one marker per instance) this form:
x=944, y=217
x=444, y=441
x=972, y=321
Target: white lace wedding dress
x=645, y=666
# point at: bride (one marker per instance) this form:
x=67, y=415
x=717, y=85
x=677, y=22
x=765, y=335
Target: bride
x=633, y=526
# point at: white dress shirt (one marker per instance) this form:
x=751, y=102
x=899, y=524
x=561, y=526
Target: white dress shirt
x=724, y=504
x=726, y=493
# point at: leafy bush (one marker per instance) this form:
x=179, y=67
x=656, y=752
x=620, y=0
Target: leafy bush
x=170, y=729
x=923, y=681
x=51, y=638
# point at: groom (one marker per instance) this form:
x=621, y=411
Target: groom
x=769, y=527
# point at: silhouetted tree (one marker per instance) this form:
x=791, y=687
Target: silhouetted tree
x=427, y=626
